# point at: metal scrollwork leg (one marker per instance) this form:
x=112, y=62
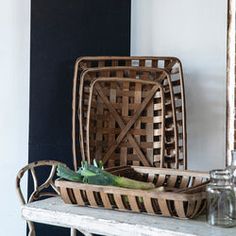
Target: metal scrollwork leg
x=39, y=190
x=31, y=228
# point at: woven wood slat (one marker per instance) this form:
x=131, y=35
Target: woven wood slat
x=78, y=196
x=66, y=196
x=137, y=99
x=91, y=198
x=164, y=207
x=179, y=206
x=161, y=180
x=148, y=205
x=133, y=204
x=119, y=202
x=71, y=195
x=197, y=181
x=171, y=64
x=151, y=177
x=184, y=182
x=202, y=207
x=198, y=208
x=172, y=181
x=105, y=200
x=190, y=208
x=124, y=112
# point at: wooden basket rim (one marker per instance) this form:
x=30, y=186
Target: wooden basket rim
x=168, y=171
x=131, y=192
x=104, y=58
x=131, y=68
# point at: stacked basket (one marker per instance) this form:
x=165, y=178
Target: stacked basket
x=167, y=71
x=129, y=112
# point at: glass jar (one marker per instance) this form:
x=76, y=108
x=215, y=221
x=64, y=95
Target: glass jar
x=221, y=199
x=232, y=168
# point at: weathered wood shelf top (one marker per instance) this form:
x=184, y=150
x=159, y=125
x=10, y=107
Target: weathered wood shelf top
x=53, y=211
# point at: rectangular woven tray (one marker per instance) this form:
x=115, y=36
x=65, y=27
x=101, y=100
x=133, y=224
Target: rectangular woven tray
x=171, y=65
x=184, y=194
x=140, y=74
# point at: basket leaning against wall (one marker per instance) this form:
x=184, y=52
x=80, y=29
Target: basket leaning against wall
x=174, y=89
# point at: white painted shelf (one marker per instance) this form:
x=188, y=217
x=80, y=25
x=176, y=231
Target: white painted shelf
x=53, y=211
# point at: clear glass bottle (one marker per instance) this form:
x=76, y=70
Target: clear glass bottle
x=232, y=168
x=221, y=199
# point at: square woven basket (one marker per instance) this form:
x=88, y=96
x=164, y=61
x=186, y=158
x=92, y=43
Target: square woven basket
x=172, y=66
x=125, y=122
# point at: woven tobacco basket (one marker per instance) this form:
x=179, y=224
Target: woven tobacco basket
x=171, y=65
x=183, y=196
x=140, y=74
x=125, y=122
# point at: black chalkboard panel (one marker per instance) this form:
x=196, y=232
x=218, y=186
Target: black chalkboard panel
x=61, y=31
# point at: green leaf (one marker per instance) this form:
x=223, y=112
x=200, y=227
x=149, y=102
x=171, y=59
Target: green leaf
x=64, y=172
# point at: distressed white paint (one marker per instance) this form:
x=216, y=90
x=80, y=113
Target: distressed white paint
x=14, y=104
x=113, y=223
x=194, y=31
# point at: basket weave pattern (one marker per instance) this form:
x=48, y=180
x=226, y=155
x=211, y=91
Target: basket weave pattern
x=171, y=65
x=139, y=73
x=125, y=122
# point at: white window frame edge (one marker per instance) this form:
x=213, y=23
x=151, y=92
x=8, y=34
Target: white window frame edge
x=230, y=79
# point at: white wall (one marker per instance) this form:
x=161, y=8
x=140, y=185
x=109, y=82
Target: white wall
x=194, y=31
x=14, y=104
